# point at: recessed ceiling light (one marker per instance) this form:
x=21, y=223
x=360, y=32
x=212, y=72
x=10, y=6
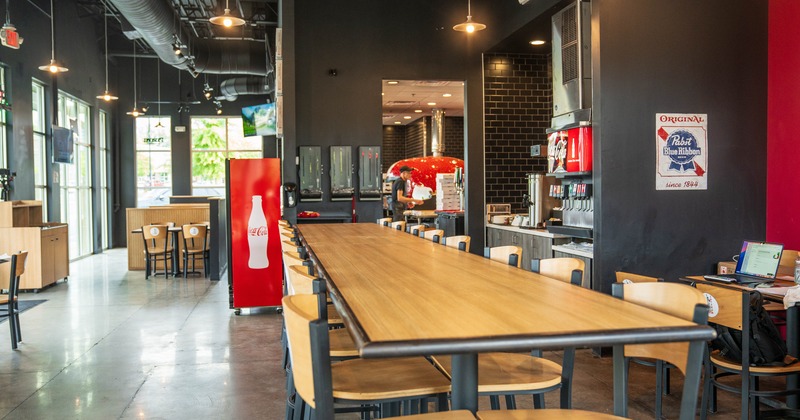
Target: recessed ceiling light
x=537, y=42
x=397, y=122
x=407, y=117
x=417, y=111
x=432, y=103
x=447, y=95
x=392, y=82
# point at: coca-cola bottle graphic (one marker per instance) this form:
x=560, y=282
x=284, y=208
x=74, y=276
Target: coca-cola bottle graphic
x=257, y=236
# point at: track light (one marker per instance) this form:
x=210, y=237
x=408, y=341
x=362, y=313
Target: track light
x=145, y=108
x=207, y=91
x=218, y=106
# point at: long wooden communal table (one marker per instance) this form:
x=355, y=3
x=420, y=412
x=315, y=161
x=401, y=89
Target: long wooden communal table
x=401, y=296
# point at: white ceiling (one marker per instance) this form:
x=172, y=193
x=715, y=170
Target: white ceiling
x=403, y=98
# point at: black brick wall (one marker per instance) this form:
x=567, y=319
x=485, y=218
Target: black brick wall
x=417, y=137
x=394, y=145
x=518, y=109
x=454, y=137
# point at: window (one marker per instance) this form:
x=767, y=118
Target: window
x=39, y=145
x=3, y=119
x=103, y=156
x=153, y=161
x=76, y=178
x=215, y=139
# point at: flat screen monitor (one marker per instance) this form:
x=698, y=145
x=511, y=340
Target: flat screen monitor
x=259, y=120
x=63, y=143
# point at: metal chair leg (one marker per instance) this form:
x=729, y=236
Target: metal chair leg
x=511, y=402
x=538, y=401
x=659, y=386
x=494, y=402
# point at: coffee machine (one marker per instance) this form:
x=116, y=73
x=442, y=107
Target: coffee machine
x=539, y=203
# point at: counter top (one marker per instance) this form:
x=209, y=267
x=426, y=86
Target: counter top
x=535, y=232
x=574, y=249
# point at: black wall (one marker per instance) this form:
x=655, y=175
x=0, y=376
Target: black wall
x=368, y=41
x=679, y=56
x=78, y=47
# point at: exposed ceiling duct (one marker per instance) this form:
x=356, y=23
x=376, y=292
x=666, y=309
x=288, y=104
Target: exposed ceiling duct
x=154, y=20
x=245, y=85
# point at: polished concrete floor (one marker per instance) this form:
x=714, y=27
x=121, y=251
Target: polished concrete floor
x=109, y=344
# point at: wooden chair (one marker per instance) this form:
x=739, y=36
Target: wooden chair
x=434, y=235
x=157, y=247
x=568, y=270
x=675, y=299
x=510, y=254
x=11, y=301
x=733, y=306
x=416, y=229
x=385, y=221
x=627, y=278
x=320, y=384
x=288, y=246
x=301, y=283
x=401, y=225
x=786, y=265
x=460, y=242
x=195, y=245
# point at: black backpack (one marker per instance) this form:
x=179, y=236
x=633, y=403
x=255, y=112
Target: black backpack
x=767, y=348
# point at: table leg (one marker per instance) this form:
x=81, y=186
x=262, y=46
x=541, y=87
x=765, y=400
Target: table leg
x=620, y=382
x=465, y=382
x=793, y=346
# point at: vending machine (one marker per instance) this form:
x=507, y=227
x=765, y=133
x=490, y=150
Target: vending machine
x=253, y=188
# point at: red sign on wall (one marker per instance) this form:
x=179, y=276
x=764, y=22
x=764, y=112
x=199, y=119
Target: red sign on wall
x=255, y=269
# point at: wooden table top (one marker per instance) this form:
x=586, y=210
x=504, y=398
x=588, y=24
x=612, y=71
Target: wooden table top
x=403, y=295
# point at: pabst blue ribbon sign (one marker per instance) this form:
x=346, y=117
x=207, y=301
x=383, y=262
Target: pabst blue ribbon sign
x=681, y=151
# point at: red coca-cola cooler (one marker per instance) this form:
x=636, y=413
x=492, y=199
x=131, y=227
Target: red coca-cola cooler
x=253, y=188
x=579, y=149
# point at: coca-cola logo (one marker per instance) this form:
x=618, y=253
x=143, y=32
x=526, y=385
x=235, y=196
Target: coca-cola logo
x=258, y=231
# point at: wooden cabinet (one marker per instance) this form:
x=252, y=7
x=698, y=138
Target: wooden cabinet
x=533, y=245
x=21, y=229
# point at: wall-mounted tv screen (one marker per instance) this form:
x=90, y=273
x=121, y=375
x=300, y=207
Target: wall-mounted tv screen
x=259, y=120
x=63, y=143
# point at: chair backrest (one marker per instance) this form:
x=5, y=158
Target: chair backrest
x=299, y=282
x=509, y=254
x=434, y=235
x=401, y=225
x=195, y=236
x=625, y=277
x=309, y=351
x=18, y=261
x=786, y=266
x=568, y=270
x=291, y=258
x=156, y=238
x=676, y=299
x=460, y=242
x=288, y=246
x=727, y=304
x=284, y=223
x=416, y=229
x=385, y=221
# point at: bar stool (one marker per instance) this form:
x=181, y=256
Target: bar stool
x=510, y=254
x=434, y=235
x=415, y=229
x=568, y=270
x=11, y=301
x=401, y=225
x=384, y=221
x=460, y=242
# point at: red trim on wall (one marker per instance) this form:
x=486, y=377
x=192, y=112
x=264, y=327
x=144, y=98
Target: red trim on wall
x=783, y=117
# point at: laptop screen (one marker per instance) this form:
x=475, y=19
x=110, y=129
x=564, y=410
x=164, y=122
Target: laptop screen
x=759, y=259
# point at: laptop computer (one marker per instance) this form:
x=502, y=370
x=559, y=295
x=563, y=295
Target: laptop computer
x=758, y=263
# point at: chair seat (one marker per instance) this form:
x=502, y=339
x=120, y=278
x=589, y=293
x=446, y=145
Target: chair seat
x=194, y=251
x=773, y=307
x=160, y=251
x=382, y=379
x=342, y=345
x=333, y=317
x=544, y=414
x=4, y=299
x=730, y=364
x=445, y=415
x=499, y=372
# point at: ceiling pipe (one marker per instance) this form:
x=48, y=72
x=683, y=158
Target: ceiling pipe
x=437, y=132
x=155, y=22
x=230, y=89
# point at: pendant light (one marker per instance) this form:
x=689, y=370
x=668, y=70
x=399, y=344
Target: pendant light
x=106, y=96
x=469, y=26
x=53, y=66
x=135, y=111
x=227, y=20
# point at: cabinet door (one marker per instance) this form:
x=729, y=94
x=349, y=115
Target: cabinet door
x=60, y=255
x=528, y=250
x=48, y=270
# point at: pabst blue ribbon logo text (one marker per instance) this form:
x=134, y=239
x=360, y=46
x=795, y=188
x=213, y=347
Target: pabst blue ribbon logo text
x=681, y=149
x=258, y=231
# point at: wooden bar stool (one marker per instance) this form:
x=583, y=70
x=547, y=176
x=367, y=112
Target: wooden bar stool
x=401, y=225
x=509, y=254
x=415, y=229
x=384, y=221
x=434, y=235
x=568, y=270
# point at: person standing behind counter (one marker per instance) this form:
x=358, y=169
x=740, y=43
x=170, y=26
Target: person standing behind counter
x=399, y=200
